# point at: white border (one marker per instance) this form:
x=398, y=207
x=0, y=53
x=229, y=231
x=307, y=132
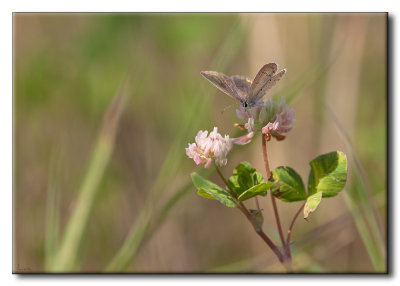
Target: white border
x=6, y=10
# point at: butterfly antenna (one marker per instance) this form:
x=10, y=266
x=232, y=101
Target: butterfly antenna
x=229, y=106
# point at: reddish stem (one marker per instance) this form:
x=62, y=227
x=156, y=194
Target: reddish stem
x=250, y=218
x=292, y=224
x=278, y=221
x=264, y=145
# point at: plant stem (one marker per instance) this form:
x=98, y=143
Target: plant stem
x=257, y=203
x=292, y=224
x=264, y=145
x=289, y=256
x=250, y=218
x=278, y=221
x=275, y=249
x=225, y=182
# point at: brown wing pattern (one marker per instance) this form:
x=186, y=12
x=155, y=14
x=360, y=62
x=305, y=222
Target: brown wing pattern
x=269, y=84
x=243, y=84
x=224, y=83
x=262, y=77
x=242, y=88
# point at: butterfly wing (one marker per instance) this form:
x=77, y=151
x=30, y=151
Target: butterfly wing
x=224, y=83
x=262, y=77
x=269, y=84
x=266, y=79
x=243, y=85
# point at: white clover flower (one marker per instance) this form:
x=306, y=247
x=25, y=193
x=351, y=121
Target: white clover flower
x=193, y=152
x=214, y=146
x=210, y=147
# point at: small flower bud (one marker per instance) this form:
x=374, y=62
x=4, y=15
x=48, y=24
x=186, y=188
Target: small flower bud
x=250, y=124
x=240, y=126
x=242, y=140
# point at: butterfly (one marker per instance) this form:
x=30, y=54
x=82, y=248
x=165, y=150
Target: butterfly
x=247, y=92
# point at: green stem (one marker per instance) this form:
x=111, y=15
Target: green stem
x=226, y=182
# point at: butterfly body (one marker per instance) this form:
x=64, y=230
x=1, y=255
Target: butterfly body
x=247, y=92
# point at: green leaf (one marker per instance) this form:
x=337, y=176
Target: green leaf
x=257, y=190
x=210, y=190
x=204, y=194
x=244, y=177
x=328, y=174
x=291, y=185
x=312, y=203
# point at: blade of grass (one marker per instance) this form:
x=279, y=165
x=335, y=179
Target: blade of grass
x=359, y=203
x=225, y=54
x=369, y=213
x=229, y=48
x=371, y=205
x=66, y=256
x=52, y=212
x=128, y=250
x=315, y=74
x=145, y=226
x=367, y=239
x=141, y=226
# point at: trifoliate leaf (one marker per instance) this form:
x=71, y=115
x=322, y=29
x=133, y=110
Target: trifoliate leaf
x=257, y=190
x=246, y=182
x=291, y=187
x=328, y=174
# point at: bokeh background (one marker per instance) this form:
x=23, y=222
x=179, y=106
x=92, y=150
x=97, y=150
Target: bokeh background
x=105, y=104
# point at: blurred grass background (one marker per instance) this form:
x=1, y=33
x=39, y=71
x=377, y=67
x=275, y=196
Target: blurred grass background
x=69, y=67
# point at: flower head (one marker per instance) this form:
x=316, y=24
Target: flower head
x=272, y=117
x=283, y=123
x=214, y=146
x=285, y=117
x=206, y=148
x=268, y=111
